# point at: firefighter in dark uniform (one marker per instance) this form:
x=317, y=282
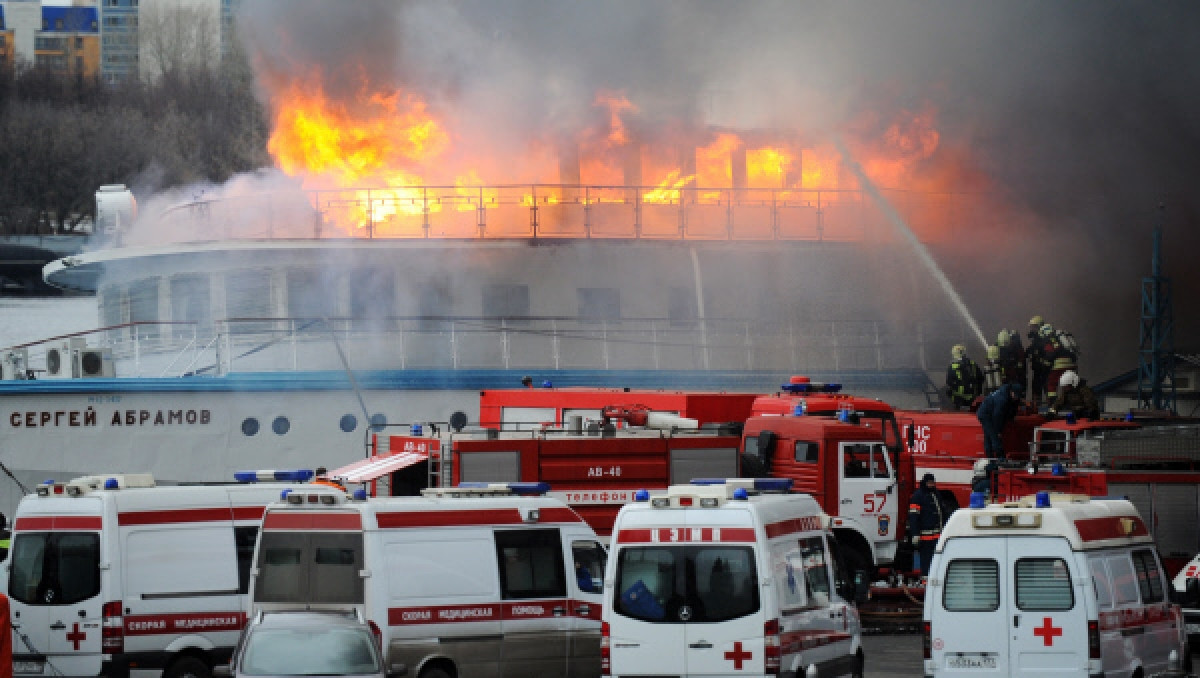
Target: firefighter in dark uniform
x=1039, y=366
x=964, y=379
x=927, y=514
x=5, y=537
x=1075, y=397
x=1012, y=358
x=994, y=413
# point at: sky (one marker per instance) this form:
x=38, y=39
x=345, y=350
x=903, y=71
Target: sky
x=1082, y=118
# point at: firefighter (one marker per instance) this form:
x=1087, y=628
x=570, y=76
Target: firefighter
x=1012, y=358
x=981, y=480
x=927, y=514
x=964, y=379
x=1036, y=361
x=322, y=478
x=993, y=373
x=1076, y=397
x=5, y=537
x=994, y=413
x=1056, y=357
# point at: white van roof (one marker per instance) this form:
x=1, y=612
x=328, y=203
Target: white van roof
x=419, y=512
x=1085, y=523
x=720, y=502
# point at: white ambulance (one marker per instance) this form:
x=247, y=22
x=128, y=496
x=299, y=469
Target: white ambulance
x=1187, y=592
x=718, y=578
x=1055, y=585
x=476, y=580
x=112, y=575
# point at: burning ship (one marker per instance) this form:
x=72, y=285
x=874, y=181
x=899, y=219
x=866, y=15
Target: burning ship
x=376, y=279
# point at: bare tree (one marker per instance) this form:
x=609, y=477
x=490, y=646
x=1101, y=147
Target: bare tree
x=178, y=38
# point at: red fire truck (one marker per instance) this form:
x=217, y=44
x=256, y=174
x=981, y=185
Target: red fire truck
x=1155, y=464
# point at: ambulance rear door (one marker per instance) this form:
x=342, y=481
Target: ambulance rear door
x=724, y=630
x=1047, y=607
x=647, y=570
x=966, y=605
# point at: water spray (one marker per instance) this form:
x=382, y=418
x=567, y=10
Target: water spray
x=918, y=247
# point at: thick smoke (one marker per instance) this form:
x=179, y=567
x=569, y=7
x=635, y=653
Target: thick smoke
x=1077, y=120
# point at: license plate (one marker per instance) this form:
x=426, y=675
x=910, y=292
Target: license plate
x=971, y=661
x=27, y=667
x=1193, y=628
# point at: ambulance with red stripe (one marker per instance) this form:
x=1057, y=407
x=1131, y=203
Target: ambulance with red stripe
x=483, y=579
x=1052, y=584
x=727, y=578
x=113, y=575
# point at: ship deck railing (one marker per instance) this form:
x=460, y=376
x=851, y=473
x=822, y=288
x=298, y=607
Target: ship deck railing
x=268, y=344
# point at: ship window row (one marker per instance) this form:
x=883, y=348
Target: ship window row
x=281, y=425
x=191, y=298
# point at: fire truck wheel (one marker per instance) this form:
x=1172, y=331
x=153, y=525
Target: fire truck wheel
x=188, y=667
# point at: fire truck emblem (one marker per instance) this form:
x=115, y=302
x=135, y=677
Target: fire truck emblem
x=884, y=523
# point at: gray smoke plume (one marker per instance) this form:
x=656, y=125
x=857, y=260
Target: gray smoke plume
x=1078, y=120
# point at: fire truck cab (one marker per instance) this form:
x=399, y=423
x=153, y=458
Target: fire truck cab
x=845, y=466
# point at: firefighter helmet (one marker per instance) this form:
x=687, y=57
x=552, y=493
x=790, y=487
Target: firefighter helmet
x=1037, y=320
x=1003, y=338
x=958, y=352
x=1047, y=330
x=993, y=353
x=1068, y=378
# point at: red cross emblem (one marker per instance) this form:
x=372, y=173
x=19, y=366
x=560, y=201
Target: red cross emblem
x=738, y=656
x=1048, y=631
x=75, y=636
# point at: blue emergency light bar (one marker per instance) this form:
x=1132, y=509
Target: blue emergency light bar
x=978, y=500
x=1041, y=500
x=812, y=387
x=300, y=475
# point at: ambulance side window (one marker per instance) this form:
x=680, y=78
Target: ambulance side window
x=590, y=559
x=243, y=538
x=531, y=564
x=816, y=571
x=1101, y=583
x=807, y=452
x=1044, y=584
x=972, y=585
x=1148, y=575
x=1125, y=589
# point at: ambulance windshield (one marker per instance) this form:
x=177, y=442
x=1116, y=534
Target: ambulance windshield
x=54, y=568
x=686, y=583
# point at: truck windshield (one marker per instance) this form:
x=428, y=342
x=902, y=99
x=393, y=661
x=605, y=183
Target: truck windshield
x=686, y=583
x=54, y=568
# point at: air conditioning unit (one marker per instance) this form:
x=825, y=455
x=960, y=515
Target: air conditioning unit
x=61, y=359
x=14, y=364
x=94, y=362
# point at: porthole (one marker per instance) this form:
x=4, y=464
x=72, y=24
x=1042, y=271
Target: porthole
x=378, y=421
x=249, y=426
x=281, y=425
x=348, y=423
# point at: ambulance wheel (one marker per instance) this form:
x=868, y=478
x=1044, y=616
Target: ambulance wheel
x=860, y=663
x=435, y=672
x=188, y=667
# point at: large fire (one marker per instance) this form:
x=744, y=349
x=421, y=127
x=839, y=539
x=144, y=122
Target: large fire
x=409, y=156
